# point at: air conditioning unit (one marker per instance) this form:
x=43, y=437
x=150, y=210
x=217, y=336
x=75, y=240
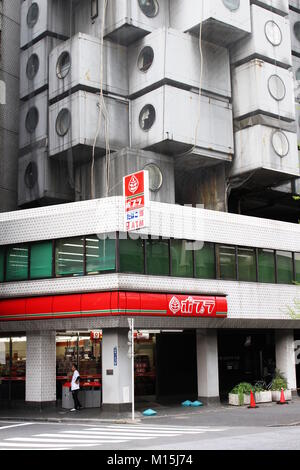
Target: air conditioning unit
x=41, y=18
x=125, y=162
x=295, y=31
x=295, y=4
x=173, y=121
x=42, y=180
x=270, y=39
x=223, y=21
x=129, y=20
x=74, y=125
x=296, y=75
x=281, y=7
x=76, y=64
x=34, y=121
x=270, y=155
x=34, y=67
x=259, y=87
x=169, y=56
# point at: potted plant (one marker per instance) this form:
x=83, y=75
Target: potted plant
x=278, y=383
x=240, y=394
x=262, y=395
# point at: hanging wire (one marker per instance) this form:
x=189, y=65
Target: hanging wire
x=102, y=112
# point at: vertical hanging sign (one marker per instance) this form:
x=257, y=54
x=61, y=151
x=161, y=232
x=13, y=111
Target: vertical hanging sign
x=136, y=200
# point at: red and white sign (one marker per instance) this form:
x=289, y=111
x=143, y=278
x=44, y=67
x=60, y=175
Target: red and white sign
x=116, y=303
x=96, y=335
x=136, y=200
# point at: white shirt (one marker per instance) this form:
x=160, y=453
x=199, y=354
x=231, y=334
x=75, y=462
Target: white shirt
x=74, y=385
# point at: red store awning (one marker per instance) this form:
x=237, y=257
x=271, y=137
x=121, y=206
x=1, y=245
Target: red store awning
x=105, y=304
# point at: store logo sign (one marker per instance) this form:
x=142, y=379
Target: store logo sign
x=192, y=306
x=133, y=185
x=136, y=201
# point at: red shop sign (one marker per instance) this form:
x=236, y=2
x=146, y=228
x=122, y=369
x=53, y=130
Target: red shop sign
x=105, y=304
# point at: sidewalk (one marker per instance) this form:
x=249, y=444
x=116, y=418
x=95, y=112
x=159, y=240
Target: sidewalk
x=269, y=414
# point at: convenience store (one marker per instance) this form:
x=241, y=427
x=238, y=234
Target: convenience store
x=206, y=314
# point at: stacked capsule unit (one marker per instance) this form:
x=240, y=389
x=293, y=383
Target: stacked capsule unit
x=295, y=35
x=263, y=99
x=44, y=25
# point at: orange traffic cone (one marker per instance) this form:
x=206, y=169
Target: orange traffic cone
x=282, y=399
x=252, y=401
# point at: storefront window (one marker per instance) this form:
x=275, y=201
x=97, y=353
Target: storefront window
x=4, y=357
x=69, y=257
x=41, y=260
x=81, y=350
x=100, y=255
x=266, y=266
x=158, y=262
x=2, y=251
x=182, y=258
x=284, y=267
x=226, y=256
x=205, y=262
x=297, y=267
x=12, y=368
x=247, y=264
x=131, y=256
x=17, y=263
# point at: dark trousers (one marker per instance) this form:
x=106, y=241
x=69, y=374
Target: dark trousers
x=77, y=404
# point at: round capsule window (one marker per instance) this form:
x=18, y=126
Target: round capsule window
x=273, y=33
x=33, y=15
x=155, y=176
x=63, y=65
x=232, y=5
x=32, y=119
x=32, y=66
x=150, y=8
x=276, y=88
x=297, y=30
x=280, y=143
x=147, y=117
x=31, y=175
x=145, y=59
x=63, y=122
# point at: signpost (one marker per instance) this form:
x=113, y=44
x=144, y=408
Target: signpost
x=131, y=355
x=136, y=200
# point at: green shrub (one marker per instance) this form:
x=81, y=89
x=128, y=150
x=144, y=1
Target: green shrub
x=279, y=383
x=244, y=388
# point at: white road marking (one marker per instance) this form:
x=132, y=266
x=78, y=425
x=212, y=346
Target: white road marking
x=135, y=435
x=33, y=445
x=57, y=440
x=15, y=426
x=162, y=430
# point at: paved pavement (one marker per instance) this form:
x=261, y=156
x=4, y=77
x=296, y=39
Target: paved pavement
x=220, y=427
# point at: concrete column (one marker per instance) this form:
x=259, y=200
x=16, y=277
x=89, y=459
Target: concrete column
x=207, y=366
x=41, y=368
x=116, y=371
x=285, y=356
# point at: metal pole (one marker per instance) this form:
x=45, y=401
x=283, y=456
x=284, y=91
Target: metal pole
x=132, y=366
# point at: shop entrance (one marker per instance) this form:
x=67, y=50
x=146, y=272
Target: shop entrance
x=83, y=349
x=245, y=356
x=12, y=370
x=176, y=366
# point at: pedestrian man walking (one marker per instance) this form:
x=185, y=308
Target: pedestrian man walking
x=75, y=387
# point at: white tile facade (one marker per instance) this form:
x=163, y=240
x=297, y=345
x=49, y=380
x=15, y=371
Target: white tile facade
x=41, y=366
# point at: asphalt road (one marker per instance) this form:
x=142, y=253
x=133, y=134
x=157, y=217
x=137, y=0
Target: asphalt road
x=144, y=436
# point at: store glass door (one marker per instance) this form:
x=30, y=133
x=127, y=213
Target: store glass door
x=81, y=348
x=12, y=369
